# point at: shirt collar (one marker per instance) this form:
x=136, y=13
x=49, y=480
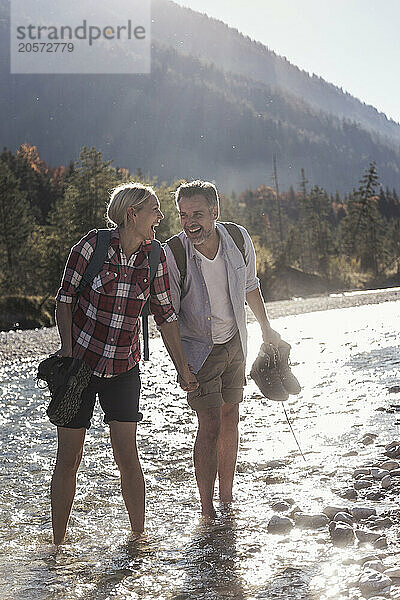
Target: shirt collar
x=145, y=246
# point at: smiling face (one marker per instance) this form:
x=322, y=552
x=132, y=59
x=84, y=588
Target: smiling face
x=197, y=219
x=148, y=217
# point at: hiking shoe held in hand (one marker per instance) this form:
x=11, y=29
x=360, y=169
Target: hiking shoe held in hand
x=265, y=374
x=289, y=381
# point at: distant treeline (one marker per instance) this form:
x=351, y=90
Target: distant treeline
x=44, y=211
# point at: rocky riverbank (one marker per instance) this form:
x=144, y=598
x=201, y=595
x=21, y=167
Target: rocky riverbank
x=35, y=343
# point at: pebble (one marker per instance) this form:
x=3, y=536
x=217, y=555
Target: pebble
x=361, y=471
x=395, y=473
x=379, y=473
x=374, y=496
x=384, y=522
x=367, y=440
x=311, y=521
x=395, y=389
x=393, y=572
x=344, y=518
x=389, y=465
x=386, y=482
x=341, y=534
x=367, y=537
x=274, y=464
x=362, y=512
x=375, y=565
x=280, y=524
x=349, y=494
x=350, y=453
x=372, y=581
x=331, y=511
x=280, y=506
x=392, y=450
x=362, y=484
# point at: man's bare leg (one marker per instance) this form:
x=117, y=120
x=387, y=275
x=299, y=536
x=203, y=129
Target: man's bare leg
x=123, y=440
x=227, y=450
x=63, y=483
x=206, y=457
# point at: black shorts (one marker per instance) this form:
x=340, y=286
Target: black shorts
x=118, y=396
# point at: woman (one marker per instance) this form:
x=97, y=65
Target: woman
x=103, y=329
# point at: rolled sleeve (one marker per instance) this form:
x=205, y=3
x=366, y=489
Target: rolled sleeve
x=160, y=295
x=252, y=281
x=75, y=267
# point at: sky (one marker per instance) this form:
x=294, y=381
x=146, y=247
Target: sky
x=354, y=44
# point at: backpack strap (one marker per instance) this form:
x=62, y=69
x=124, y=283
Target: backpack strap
x=179, y=253
x=96, y=261
x=154, y=261
x=237, y=237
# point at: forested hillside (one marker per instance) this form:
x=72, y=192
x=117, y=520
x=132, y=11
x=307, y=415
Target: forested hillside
x=327, y=242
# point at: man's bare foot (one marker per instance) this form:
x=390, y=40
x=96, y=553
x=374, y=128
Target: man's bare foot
x=209, y=515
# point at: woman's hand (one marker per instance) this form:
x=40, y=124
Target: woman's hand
x=187, y=380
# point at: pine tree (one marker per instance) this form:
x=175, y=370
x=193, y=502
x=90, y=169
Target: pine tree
x=17, y=224
x=363, y=226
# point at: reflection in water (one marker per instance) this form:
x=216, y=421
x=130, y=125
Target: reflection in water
x=211, y=563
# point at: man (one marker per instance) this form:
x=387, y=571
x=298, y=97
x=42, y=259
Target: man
x=210, y=305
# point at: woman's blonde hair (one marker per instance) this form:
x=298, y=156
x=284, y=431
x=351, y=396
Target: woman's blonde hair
x=123, y=197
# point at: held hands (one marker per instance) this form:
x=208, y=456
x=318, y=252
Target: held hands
x=187, y=380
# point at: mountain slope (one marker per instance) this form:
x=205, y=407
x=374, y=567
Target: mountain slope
x=189, y=119
x=203, y=37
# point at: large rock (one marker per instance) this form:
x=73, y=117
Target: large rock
x=381, y=543
x=372, y=581
x=280, y=506
x=341, y=534
x=392, y=572
x=367, y=537
x=330, y=511
x=344, y=518
x=386, y=482
x=375, y=565
x=280, y=524
x=362, y=484
x=311, y=521
x=362, y=512
x=379, y=473
x=389, y=465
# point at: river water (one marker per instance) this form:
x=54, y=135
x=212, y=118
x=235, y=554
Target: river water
x=346, y=359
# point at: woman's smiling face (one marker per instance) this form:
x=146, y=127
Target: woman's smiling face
x=147, y=218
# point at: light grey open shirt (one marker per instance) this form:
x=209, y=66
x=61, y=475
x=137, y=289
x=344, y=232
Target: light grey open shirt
x=193, y=308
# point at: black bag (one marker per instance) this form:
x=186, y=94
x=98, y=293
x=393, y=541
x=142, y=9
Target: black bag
x=66, y=379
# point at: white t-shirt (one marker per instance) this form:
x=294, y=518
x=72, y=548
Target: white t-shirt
x=223, y=323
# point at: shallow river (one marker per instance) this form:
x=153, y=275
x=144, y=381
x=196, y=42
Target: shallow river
x=346, y=359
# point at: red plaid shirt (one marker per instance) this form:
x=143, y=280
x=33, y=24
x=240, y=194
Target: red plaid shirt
x=105, y=324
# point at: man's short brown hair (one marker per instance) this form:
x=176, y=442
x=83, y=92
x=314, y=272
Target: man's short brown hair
x=193, y=188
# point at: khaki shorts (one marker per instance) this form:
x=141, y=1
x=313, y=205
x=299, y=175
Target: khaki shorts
x=221, y=378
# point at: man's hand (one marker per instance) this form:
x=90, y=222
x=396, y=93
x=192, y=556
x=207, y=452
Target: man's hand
x=270, y=336
x=187, y=380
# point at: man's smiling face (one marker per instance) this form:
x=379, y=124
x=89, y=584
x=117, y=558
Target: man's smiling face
x=197, y=219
